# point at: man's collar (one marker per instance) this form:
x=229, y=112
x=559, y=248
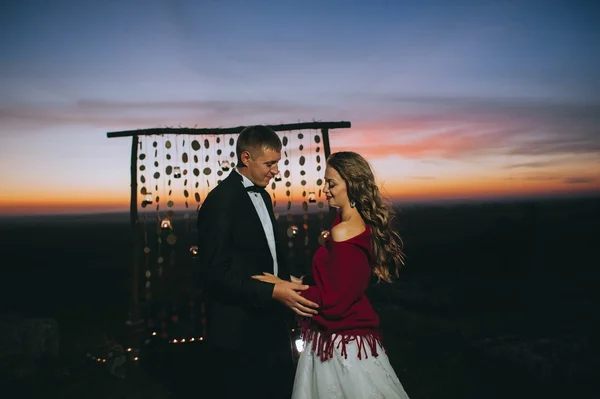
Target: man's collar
x=245, y=181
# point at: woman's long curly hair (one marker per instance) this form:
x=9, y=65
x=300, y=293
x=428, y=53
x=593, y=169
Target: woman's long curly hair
x=375, y=210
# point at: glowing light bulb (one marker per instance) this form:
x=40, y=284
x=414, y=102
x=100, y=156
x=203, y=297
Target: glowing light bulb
x=165, y=224
x=292, y=231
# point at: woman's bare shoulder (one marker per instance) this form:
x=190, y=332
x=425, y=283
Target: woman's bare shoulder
x=345, y=231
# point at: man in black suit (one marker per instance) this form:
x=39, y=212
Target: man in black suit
x=247, y=320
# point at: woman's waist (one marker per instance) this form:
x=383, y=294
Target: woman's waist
x=353, y=324
x=360, y=314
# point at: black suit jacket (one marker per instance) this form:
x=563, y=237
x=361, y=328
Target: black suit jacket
x=232, y=247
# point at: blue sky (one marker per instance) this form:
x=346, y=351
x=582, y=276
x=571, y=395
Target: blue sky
x=524, y=74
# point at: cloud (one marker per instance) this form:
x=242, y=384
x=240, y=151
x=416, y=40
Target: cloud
x=539, y=178
x=527, y=109
x=559, y=145
x=430, y=140
x=425, y=128
x=539, y=164
x=142, y=114
x=579, y=180
x=532, y=178
x=203, y=106
x=458, y=127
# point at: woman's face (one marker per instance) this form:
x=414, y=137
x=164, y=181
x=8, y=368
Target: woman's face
x=335, y=188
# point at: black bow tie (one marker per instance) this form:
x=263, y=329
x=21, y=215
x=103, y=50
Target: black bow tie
x=256, y=189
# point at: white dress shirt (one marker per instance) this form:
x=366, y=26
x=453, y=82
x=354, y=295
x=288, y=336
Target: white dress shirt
x=265, y=219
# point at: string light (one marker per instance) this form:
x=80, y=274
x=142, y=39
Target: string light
x=184, y=340
x=166, y=173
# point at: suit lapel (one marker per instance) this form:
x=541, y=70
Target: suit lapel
x=249, y=213
x=265, y=196
x=281, y=264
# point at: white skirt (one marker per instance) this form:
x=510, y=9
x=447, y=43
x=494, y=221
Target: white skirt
x=346, y=377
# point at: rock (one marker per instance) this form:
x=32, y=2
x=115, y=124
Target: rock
x=544, y=360
x=414, y=295
x=28, y=347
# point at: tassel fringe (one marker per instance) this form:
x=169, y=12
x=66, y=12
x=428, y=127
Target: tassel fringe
x=324, y=345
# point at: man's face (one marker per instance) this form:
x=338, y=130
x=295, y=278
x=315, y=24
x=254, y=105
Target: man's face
x=262, y=165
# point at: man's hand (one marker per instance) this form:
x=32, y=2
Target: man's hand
x=268, y=278
x=297, y=280
x=286, y=292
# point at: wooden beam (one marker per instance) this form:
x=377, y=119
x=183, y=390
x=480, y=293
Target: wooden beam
x=133, y=214
x=136, y=235
x=326, y=147
x=327, y=152
x=230, y=130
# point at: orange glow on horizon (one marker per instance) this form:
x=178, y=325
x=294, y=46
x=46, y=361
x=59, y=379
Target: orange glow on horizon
x=480, y=188
x=28, y=205
x=413, y=190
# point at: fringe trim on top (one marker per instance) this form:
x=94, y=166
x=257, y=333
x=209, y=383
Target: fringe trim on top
x=324, y=344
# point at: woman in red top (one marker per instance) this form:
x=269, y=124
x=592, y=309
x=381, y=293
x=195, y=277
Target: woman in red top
x=343, y=356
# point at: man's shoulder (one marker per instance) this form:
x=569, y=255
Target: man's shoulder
x=222, y=192
x=226, y=184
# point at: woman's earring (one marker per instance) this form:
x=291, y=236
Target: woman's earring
x=352, y=204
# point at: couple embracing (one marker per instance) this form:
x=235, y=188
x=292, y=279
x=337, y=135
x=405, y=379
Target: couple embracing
x=251, y=298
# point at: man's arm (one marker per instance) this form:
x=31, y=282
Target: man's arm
x=288, y=293
x=215, y=243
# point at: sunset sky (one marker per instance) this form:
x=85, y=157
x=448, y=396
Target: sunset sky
x=447, y=99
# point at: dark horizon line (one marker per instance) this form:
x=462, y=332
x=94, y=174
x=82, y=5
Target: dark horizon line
x=458, y=201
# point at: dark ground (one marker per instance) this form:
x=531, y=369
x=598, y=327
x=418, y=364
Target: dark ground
x=496, y=300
